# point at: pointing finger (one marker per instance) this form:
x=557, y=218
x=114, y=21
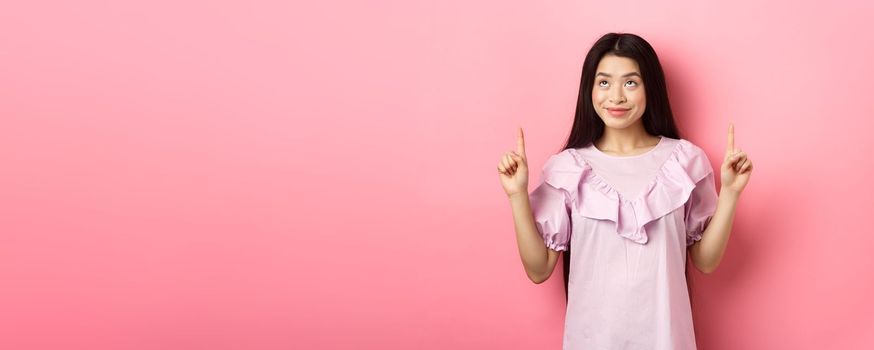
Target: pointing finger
x=520, y=143
x=731, y=138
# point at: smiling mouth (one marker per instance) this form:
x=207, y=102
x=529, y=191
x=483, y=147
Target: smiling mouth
x=617, y=112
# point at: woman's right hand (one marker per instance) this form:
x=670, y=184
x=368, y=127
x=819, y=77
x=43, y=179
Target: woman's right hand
x=513, y=169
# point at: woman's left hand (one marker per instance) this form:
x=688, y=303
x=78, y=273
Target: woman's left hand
x=736, y=166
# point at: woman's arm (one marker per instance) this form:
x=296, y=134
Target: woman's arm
x=538, y=260
x=735, y=174
x=707, y=252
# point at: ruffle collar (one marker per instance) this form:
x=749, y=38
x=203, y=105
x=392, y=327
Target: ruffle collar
x=594, y=198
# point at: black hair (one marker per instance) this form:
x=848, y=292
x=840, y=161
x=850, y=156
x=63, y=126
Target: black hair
x=657, y=117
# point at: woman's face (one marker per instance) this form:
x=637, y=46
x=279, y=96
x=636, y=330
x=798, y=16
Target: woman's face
x=618, y=85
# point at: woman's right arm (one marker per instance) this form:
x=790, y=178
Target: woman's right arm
x=538, y=260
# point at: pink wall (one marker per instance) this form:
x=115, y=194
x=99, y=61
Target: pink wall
x=258, y=175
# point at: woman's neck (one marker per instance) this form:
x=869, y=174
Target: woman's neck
x=628, y=141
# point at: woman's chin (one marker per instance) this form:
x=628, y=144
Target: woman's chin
x=618, y=122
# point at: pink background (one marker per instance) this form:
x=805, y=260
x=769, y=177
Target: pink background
x=259, y=175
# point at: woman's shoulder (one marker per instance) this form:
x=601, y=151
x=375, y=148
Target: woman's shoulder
x=564, y=170
x=692, y=159
x=566, y=159
x=688, y=146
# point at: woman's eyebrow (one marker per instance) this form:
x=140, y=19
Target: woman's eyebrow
x=610, y=76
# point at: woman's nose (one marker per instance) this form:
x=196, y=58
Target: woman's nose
x=616, y=96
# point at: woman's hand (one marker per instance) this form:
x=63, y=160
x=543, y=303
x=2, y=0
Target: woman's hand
x=513, y=169
x=736, y=167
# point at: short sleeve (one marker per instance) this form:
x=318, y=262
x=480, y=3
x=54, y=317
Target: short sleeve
x=551, y=215
x=551, y=200
x=700, y=207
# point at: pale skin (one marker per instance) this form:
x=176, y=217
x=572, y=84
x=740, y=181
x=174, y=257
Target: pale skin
x=623, y=136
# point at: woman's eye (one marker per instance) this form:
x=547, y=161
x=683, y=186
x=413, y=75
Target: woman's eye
x=603, y=82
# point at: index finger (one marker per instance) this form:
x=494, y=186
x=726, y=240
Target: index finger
x=520, y=142
x=731, y=137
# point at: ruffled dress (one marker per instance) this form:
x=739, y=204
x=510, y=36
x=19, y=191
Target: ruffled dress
x=628, y=221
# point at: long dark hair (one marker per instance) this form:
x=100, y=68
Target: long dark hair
x=657, y=116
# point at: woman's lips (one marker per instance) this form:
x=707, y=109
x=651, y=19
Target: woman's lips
x=617, y=112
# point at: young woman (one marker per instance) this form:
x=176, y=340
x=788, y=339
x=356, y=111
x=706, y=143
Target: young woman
x=631, y=199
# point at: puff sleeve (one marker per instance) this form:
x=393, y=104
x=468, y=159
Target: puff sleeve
x=551, y=215
x=551, y=200
x=700, y=207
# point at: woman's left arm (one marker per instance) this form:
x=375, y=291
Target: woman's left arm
x=735, y=171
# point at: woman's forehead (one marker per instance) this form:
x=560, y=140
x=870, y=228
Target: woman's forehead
x=612, y=65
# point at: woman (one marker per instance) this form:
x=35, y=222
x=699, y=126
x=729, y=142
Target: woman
x=631, y=199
